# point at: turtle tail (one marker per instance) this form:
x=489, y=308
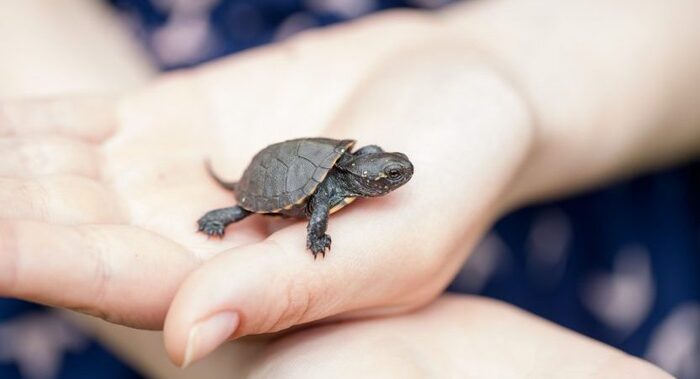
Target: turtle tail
x=228, y=185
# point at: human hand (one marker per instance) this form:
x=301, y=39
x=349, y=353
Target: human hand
x=114, y=212
x=104, y=197
x=67, y=237
x=453, y=337
x=466, y=132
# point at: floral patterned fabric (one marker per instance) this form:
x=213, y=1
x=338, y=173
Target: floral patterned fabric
x=620, y=264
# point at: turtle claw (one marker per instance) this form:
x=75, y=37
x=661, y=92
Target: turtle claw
x=319, y=245
x=323, y=254
x=211, y=228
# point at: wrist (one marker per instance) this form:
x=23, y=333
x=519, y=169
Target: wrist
x=607, y=104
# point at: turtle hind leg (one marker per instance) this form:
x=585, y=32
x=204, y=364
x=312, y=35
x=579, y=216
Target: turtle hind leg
x=214, y=222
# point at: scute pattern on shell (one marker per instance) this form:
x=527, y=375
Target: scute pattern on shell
x=288, y=172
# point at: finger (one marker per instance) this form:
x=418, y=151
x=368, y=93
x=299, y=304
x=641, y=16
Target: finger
x=389, y=253
x=120, y=273
x=88, y=118
x=40, y=156
x=60, y=199
x=271, y=286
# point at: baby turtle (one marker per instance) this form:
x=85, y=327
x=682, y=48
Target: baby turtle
x=309, y=178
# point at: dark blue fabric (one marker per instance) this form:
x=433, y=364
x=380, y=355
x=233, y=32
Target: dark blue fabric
x=658, y=211
x=652, y=220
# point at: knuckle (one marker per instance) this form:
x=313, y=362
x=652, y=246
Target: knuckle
x=37, y=197
x=35, y=156
x=298, y=291
x=93, y=243
x=55, y=155
x=298, y=300
x=60, y=199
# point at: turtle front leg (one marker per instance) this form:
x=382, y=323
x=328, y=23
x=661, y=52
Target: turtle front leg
x=317, y=240
x=214, y=222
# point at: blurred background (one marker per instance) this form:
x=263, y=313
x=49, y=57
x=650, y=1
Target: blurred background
x=619, y=264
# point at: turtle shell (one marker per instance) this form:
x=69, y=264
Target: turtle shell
x=287, y=173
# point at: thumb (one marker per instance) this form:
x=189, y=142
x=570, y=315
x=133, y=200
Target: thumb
x=273, y=285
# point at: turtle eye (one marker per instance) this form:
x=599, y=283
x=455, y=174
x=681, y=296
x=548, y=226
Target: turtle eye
x=393, y=173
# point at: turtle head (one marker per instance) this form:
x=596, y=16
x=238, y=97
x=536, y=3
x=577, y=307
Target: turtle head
x=378, y=173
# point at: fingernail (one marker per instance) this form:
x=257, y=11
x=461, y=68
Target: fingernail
x=208, y=334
